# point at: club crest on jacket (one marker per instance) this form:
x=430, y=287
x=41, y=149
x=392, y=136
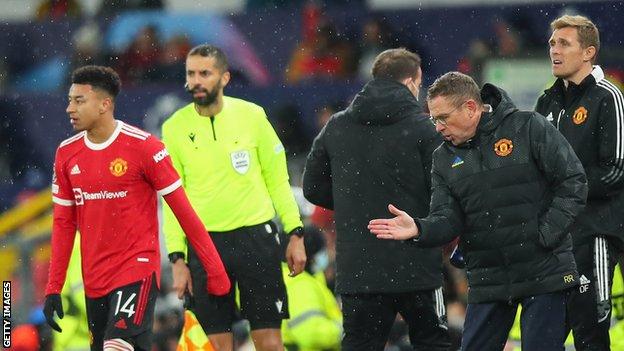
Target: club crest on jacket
x=580, y=115
x=503, y=147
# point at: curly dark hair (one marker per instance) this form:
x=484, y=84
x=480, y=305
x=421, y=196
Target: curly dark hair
x=99, y=77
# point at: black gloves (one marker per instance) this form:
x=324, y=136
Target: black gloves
x=53, y=303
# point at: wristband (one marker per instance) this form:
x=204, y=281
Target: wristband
x=174, y=256
x=298, y=232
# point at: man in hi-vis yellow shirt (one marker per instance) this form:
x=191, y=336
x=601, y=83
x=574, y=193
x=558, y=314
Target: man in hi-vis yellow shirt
x=233, y=168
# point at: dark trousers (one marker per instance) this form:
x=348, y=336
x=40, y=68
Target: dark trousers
x=368, y=319
x=542, y=324
x=589, y=304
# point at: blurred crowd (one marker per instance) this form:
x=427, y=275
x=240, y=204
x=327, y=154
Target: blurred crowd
x=324, y=52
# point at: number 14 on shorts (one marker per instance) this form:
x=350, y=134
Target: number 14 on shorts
x=127, y=307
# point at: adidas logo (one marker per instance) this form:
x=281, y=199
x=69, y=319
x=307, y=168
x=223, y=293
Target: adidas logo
x=457, y=162
x=121, y=324
x=584, y=280
x=75, y=170
x=549, y=118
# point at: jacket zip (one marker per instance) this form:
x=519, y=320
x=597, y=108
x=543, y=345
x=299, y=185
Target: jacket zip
x=214, y=135
x=481, y=166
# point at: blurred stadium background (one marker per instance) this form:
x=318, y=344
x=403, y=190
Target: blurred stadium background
x=300, y=59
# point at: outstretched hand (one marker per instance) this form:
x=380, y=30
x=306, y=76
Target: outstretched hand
x=401, y=227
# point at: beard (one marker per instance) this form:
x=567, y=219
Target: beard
x=210, y=95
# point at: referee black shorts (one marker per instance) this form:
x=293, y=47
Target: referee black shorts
x=252, y=258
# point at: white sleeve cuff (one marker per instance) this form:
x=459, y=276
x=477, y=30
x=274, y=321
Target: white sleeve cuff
x=170, y=188
x=62, y=202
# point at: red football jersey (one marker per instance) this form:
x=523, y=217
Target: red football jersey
x=113, y=186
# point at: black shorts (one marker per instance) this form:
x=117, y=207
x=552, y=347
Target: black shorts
x=252, y=258
x=125, y=313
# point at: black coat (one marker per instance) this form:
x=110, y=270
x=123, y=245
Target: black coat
x=376, y=152
x=509, y=193
x=591, y=117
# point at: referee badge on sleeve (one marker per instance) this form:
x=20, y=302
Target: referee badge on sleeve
x=240, y=161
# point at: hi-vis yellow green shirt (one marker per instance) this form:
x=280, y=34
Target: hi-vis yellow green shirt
x=233, y=168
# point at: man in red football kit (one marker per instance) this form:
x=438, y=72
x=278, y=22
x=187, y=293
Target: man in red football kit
x=105, y=184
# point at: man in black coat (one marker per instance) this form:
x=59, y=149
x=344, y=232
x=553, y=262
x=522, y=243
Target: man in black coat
x=509, y=185
x=589, y=111
x=379, y=149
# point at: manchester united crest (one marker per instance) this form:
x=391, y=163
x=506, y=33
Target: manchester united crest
x=118, y=167
x=503, y=147
x=580, y=115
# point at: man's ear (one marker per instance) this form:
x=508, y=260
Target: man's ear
x=472, y=106
x=418, y=79
x=589, y=53
x=106, y=105
x=225, y=78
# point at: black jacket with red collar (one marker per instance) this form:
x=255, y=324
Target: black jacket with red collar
x=591, y=117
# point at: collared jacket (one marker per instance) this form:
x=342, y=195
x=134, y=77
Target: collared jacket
x=376, y=152
x=233, y=168
x=509, y=193
x=591, y=117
